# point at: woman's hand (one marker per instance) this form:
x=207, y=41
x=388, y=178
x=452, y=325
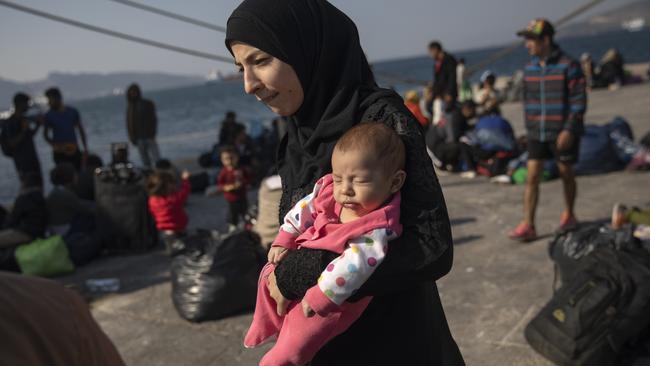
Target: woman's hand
x=275, y=293
x=276, y=254
x=185, y=175
x=306, y=309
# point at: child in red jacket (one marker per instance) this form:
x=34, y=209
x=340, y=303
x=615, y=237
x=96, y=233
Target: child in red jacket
x=166, y=203
x=233, y=181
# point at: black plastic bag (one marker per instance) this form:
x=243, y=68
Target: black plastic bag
x=569, y=246
x=216, y=277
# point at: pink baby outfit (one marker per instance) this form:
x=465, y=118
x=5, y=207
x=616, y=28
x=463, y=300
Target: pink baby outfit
x=362, y=244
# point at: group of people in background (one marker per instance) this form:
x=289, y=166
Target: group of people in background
x=554, y=96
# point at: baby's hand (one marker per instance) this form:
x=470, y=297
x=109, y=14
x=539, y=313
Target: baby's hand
x=276, y=254
x=306, y=309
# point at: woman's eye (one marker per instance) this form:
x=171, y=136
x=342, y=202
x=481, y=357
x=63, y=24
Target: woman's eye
x=261, y=61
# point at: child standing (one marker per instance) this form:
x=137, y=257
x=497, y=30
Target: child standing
x=354, y=211
x=233, y=181
x=166, y=204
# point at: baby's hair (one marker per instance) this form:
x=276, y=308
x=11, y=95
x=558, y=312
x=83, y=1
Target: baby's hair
x=160, y=183
x=378, y=139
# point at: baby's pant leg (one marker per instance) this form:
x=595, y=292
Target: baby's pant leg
x=266, y=321
x=301, y=337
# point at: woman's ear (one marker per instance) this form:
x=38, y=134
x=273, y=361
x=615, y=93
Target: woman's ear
x=397, y=181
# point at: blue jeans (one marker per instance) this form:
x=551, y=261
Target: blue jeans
x=148, y=151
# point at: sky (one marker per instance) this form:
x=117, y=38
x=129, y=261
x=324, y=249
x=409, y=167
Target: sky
x=33, y=46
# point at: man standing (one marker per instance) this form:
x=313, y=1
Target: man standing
x=18, y=139
x=61, y=123
x=141, y=123
x=554, y=105
x=445, y=89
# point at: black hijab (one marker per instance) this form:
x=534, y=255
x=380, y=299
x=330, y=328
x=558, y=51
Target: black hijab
x=322, y=45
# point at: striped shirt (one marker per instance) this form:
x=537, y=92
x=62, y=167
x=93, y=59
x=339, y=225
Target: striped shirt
x=554, y=96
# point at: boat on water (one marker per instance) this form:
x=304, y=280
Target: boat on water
x=634, y=24
x=216, y=76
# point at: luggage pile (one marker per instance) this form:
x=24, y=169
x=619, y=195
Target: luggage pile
x=601, y=308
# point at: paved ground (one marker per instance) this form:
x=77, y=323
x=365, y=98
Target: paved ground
x=495, y=287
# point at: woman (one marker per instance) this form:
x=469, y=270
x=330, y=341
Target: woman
x=302, y=58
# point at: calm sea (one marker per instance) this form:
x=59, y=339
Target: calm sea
x=189, y=117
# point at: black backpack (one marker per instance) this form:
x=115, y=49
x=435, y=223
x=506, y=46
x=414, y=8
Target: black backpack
x=591, y=317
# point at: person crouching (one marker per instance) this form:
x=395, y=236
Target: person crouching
x=166, y=201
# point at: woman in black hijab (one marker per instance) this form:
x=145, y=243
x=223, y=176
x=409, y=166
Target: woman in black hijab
x=303, y=59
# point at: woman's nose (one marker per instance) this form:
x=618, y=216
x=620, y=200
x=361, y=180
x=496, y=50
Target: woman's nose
x=251, y=82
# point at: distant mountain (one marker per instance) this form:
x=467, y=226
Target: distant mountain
x=91, y=85
x=609, y=21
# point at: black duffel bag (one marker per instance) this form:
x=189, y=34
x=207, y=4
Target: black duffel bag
x=590, y=318
x=216, y=277
x=124, y=223
x=568, y=246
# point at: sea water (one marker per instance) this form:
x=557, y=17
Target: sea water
x=189, y=118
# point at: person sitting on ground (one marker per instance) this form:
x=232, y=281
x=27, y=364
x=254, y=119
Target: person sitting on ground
x=488, y=98
x=622, y=215
x=63, y=205
x=443, y=139
x=28, y=218
x=85, y=187
x=491, y=139
x=119, y=154
x=354, y=210
x=412, y=102
x=233, y=181
x=45, y=323
x=166, y=204
x=612, y=72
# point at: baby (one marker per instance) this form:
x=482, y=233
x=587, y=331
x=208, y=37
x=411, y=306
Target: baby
x=354, y=211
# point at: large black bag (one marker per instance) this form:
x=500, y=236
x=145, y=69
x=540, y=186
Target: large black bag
x=216, y=277
x=567, y=247
x=592, y=316
x=124, y=223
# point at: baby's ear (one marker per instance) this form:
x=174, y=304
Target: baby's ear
x=397, y=181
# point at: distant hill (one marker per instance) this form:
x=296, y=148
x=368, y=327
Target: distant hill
x=608, y=21
x=91, y=85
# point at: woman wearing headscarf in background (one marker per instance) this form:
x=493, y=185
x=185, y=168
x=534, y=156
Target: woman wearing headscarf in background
x=303, y=59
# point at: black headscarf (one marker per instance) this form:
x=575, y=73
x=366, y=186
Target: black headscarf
x=322, y=45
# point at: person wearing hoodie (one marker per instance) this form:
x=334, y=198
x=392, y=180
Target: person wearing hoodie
x=141, y=123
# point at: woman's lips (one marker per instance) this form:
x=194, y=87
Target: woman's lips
x=269, y=98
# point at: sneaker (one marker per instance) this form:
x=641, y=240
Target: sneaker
x=470, y=174
x=567, y=222
x=523, y=232
x=618, y=215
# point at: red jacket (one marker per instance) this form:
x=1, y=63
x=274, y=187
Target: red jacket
x=168, y=210
x=230, y=176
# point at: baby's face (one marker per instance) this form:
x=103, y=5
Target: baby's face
x=360, y=184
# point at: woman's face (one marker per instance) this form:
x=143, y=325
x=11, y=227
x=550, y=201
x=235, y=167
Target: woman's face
x=272, y=81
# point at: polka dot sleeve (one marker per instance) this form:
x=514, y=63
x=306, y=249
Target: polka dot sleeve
x=345, y=274
x=298, y=219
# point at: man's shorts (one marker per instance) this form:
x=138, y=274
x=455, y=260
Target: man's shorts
x=538, y=150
